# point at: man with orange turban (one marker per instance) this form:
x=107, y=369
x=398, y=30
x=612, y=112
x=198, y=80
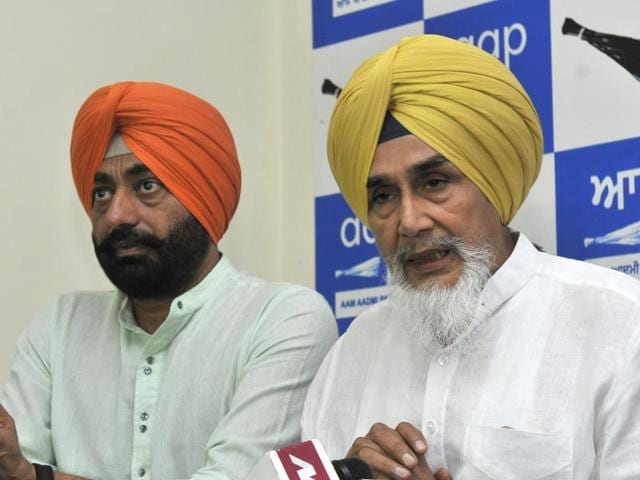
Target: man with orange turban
x=190, y=369
x=490, y=359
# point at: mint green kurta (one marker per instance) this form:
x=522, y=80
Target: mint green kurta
x=218, y=384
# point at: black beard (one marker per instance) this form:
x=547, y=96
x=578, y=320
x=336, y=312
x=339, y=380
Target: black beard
x=169, y=267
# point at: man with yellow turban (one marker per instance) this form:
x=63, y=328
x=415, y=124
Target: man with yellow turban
x=490, y=359
x=190, y=369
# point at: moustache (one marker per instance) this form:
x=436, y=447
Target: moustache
x=127, y=235
x=451, y=243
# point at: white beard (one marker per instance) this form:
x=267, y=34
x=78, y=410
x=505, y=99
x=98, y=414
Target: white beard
x=439, y=312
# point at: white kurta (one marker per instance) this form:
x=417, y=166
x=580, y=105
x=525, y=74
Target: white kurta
x=548, y=389
x=219, y=383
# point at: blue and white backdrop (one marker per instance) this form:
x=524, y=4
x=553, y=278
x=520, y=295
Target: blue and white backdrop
x=586, y=88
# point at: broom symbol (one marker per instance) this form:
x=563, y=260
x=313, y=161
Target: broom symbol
x=330, y=88
x=629, y=235
x=624, y=50
x=371, y=268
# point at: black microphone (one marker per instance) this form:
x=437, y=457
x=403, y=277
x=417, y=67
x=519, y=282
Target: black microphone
x=352, y=469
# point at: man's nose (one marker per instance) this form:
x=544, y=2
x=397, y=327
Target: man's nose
x=123, y=209
x=415, y=216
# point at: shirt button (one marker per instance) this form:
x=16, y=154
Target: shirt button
x=143, y=428
x=431, y=428
x=144, y=416
x=179, y=304
x=147, y=370
x=141, y=472
x=443, y=360
x=150, y=360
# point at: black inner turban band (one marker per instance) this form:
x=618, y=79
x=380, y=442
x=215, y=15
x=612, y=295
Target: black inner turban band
x=391, y=128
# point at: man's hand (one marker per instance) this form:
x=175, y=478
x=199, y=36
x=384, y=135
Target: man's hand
x=396, y=454
x=13, y=466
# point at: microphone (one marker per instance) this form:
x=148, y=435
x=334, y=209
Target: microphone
x=352, y=469
x=307, y=461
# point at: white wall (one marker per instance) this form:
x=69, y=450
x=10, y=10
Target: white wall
x=251, y=59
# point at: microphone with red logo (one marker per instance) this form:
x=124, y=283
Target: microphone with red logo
x=307, y=461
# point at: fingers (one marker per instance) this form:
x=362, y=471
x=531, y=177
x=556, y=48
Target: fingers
x=393, y=444
x=382, y=465
x=394, y=453
x=442, y=474
x=413, y=437
x=422, y=471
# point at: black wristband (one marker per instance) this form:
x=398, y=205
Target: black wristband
x=43, y=472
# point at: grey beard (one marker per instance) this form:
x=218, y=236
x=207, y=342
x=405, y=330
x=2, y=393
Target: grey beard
x=439, y=312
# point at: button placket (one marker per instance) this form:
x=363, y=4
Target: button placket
x=442, y=368
x=147, y=390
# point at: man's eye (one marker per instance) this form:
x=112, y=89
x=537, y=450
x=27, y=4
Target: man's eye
x=149, y=186
x=381, y=197
x=435, y=183
x=101, y=194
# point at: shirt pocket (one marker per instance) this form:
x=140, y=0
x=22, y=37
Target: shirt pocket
x=508, y=454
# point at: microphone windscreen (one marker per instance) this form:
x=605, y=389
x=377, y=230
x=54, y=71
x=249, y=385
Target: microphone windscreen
x=352, y=469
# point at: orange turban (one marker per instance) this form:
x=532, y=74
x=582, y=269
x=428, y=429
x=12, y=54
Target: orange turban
x=182, y=139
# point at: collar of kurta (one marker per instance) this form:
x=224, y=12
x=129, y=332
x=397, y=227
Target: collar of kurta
x=210, y=289
x=511, y=277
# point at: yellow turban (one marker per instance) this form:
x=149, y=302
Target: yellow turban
x=455, y=97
